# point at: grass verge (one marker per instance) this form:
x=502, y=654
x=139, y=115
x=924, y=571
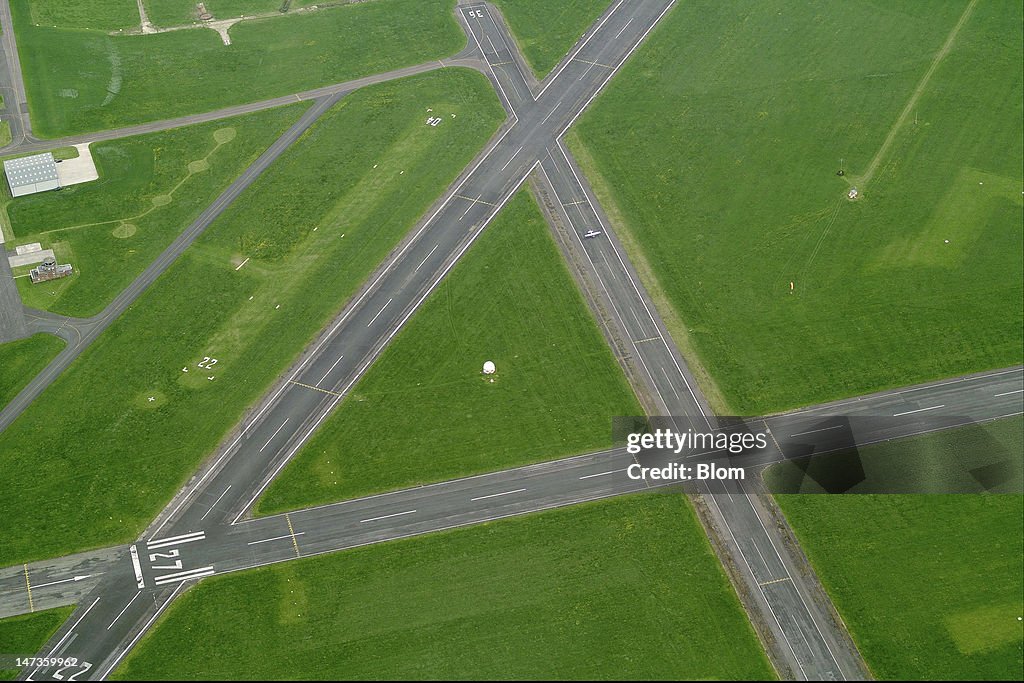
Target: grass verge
x=719, y=144
x=623, y=589
x=23, y=635
x=312, y=227
x=22, y=360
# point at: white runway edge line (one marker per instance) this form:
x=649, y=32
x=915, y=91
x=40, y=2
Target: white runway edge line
x=275, y=538
x=495, y=495
x=397, y=514
x=919, y=410
x=390, y=335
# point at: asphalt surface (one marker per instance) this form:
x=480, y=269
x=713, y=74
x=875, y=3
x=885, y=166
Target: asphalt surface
x=12, y=85
x=107, y=586
x=12, y=318
x=205, y=530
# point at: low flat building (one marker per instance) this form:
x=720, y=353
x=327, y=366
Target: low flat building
x=29, y=175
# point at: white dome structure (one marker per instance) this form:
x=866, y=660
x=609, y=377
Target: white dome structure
x=489, y=368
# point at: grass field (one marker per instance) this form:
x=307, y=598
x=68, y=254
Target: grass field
x=930, y=586
x=22, y=636
x=22, y=360
x=151, y=188
x=620, y=589
x=179, y=12
x=512, y=301
x=100, y=15
x=546, y=31
x=115, y=460
x=716, y=151
x=80, y=80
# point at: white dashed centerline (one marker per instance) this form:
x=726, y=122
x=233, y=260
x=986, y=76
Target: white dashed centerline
x=275, y=433
x=919, y=410
x=275, y=538
x=1007, y=393
x=397, y=514
x=379, y=312
x=601, y=474
x=495, y=495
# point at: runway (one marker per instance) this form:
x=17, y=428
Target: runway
x=205, y=530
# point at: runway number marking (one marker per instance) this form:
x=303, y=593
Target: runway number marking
x=206, y=362
x=85, y=667
x=166, y=556
x=475, y=13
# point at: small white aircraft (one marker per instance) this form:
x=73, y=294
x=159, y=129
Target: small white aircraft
x=592, y=233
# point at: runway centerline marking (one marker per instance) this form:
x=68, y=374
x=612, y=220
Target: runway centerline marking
x=397, y=514
x=215, y=503
x=275, y=434
x=124, y=610
x=815, y=431
x=275, y=538
x=511, y=158
x=330, y=370
x=426, y=257
x=495, y=495
x=1007, y=393
x=621, y=30
x=601, y=474
x=919, y=410
x=379, y=312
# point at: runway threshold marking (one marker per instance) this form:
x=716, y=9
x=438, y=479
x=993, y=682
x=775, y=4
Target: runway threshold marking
x=291, y=530
x=310, y=386
x=919, y=410
x=176, y=540
x=28, y=587
x=178, y=577
x=495, y=495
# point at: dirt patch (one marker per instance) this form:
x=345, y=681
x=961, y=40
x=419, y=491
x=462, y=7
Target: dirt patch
x=198, y=166
x=161, y=200
x=223, y=135
x=124, y=231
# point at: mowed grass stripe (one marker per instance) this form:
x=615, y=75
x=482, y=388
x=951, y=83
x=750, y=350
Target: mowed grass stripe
x=622, y=589
x=425, y=412
x=716, y=152
x=113, y=457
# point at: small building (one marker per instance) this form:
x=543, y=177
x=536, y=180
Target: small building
x=29, y=175
x=49, y=270
x=853, y=194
